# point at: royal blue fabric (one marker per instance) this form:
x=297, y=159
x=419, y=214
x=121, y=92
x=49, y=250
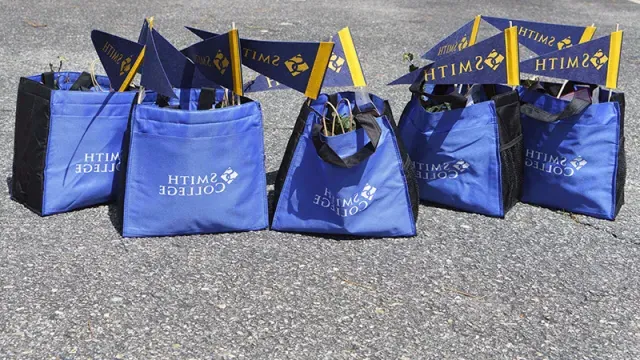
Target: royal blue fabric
x=572, y=164
x=85, y=136
x=456, y=155
x=369, y=199
x=195, y=171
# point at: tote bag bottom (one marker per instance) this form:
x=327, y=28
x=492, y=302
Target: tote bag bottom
x=137, y=233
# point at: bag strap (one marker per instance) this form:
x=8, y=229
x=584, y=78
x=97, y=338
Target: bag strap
x=456, y=100
x=366, y=121
x=575, y=107
x=207, y=98
x=84, y=81
x=49, y=80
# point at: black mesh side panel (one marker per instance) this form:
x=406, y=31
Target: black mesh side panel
x=407, y=165
x=621, y=175
x=511, y=147
x=298, y=128
x=33, y=115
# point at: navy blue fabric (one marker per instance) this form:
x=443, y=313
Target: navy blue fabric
x=572, y=163
x=86, y=130
x=368, y=199
x=456, y=154
x=195, y=171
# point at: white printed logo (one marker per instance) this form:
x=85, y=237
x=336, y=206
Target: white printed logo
x=461, y=165
x=99, y=163
x=578, y=162
x=229, y=175
x=368, y=192
x=445, y=170
x=553, y=164
x=346, y=206
x=197, y=185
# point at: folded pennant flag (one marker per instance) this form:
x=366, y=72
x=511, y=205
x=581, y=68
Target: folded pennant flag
x=299, y=65
x=154, y=77
x=142, y=38
x=120, y=57
x=166, y=67
x=491, y=61
x=594, y=62
x=344, y=67
x=542, y=38
x=146, y=25
x=218, y=58
x=460, y=39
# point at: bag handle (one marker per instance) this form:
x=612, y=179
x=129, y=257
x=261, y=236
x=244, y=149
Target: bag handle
x=575, y=107
x=207, y=98
x=456, y=100
x=366, y=121
x=49, y=80
x=84, y=81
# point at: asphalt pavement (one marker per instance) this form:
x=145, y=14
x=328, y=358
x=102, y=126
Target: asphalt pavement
x=539, y=284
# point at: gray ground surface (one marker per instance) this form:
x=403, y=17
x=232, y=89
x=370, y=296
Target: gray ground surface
x=538, y=284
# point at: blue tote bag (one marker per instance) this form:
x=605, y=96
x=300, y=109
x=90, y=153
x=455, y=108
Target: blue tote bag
x=359, y=183
x=468, y=157
x=574, y=149
x=194, y=167
x=68, y=135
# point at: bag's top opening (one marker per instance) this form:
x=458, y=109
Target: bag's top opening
x=72, y=81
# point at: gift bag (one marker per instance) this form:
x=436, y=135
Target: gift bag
x=574, y=148
x=68, y=136
x=194, y=169
x=351, y=178
x=467, y=151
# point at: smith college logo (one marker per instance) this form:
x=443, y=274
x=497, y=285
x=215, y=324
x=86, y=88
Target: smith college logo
x=99, y=163
x=493, y=61
x=553, y=164
x=565, y=43
x=597, y=60
x=457, y=46
x=220, y=61
x=336, y=62
x=125, y=66
x=544, y=39
x=117, y=56
x=345, y=207
x=446, y=170
x=197, y=185
x=296, y=65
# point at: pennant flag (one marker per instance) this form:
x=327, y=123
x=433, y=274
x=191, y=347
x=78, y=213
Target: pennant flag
x=542, y=38
x=170, y=68
x=594, y=62
x=120, y=57
x=218, y=58
x=299, y=65
x=344, y=67
x=461, y=39
x=146, y=25
x=492, y=61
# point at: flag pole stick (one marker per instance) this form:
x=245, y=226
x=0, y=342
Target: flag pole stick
x=611, y=90
x=511, y=25
x=233, y=94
